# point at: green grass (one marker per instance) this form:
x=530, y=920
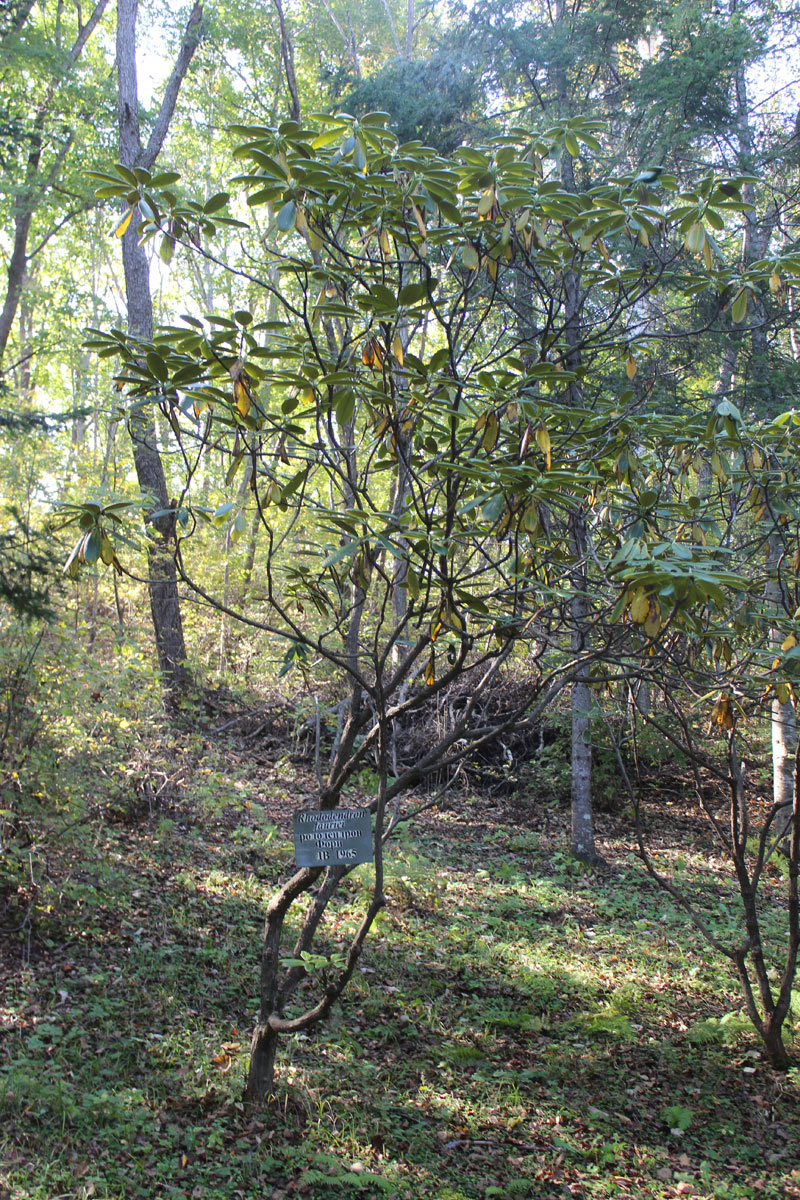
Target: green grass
x=518, y=1027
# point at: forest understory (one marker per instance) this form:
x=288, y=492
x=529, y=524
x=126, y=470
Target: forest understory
x=519, y=1026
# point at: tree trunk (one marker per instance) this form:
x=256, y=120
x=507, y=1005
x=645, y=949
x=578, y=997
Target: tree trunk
x=784, y=741
x=581, y=777
x=162, y=577
x=264, y=1043
x=17, y=267
x=757, y=234
x=404, y=446
x=783, y=719
x=774, y=1047
x=261, y=1072
x=758, y=228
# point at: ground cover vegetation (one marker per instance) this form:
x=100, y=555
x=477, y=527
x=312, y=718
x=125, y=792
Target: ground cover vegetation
x=444, y=450
x=521, y=1025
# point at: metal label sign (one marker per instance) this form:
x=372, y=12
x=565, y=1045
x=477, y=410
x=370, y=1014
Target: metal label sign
x=335, y=837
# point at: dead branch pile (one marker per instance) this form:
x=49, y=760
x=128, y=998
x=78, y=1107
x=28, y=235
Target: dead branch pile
x=496, y=765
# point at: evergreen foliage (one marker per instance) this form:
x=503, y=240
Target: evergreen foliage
x=435, y=100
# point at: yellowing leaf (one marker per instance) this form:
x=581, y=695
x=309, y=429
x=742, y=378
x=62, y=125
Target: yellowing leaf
x=242, y=396
x=372, y=354
x=455, y=620
x=530, y=521
x=430, y=670
x=783, y=692
x=640, y=608
x=469, y=257
x=788, y=642
x=653, y=622
x=486, y=202
x=397, y=349
x=695, y=238
x=543, y=442
x=490, y=435
x=774, y=283
x=630, y=367
x=122, y=228
x=722, y=713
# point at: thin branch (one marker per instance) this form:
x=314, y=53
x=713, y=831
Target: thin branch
x=191, y=40
x=395, y=39
x=287, y=56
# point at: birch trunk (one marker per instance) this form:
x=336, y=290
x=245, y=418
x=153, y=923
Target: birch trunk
x=758, y=231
